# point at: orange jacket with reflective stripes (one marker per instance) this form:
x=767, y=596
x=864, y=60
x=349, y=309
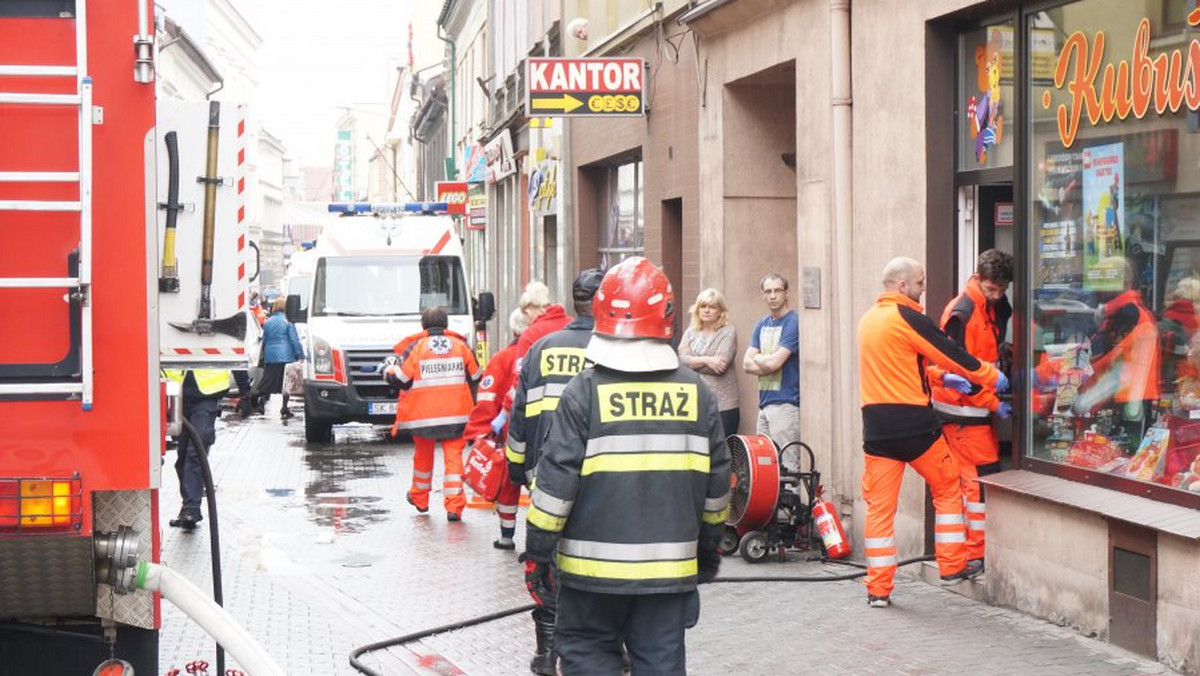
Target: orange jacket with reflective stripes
x=895, y=343
x=436, y=369
x=971, y=321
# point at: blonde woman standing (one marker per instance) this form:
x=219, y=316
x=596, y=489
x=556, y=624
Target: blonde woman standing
x=709, y=347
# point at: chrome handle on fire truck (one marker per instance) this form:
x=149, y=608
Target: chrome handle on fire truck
x=41, y=99
x=39, y=71
x=39, y=176
x=35, y=205
x=38, y=282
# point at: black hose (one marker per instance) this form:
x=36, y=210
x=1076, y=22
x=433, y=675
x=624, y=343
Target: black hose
x=817, y=578
x=415, y=636
x=214, y=540
x=471, y=622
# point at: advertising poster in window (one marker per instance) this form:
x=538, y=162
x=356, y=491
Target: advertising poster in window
x=1103, y=218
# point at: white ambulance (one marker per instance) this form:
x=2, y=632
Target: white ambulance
x=376, y=268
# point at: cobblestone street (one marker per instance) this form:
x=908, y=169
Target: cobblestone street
x=321, y=554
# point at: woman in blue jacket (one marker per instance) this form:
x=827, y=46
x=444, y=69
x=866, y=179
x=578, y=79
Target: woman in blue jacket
x=280, y=346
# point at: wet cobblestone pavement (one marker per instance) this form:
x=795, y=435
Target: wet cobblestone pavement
x=321, y=554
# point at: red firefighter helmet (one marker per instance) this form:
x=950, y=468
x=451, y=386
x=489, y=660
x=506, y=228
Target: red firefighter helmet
x=635, y=300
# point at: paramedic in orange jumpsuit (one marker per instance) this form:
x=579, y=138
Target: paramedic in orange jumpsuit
x=977, y=319
x=896, y=341
x=1125, y=358
x=493, y=400
x=434, y=373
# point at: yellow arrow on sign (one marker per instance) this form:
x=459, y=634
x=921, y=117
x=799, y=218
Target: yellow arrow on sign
x=566, y=103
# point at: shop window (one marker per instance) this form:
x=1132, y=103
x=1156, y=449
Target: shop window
x=1114, y=218
x=986, y=126
x=622, y=216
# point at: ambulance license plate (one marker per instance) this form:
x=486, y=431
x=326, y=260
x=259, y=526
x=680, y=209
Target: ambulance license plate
x=381, y=408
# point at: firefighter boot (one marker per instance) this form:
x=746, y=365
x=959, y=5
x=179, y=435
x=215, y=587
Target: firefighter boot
x=544, y=659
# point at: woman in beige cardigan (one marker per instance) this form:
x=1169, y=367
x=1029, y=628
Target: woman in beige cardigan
x=709, y=347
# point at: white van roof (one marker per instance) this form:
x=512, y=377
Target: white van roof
x=389, y=233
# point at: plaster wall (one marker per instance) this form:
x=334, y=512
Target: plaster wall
x=1178, y=603
x=1050, y=561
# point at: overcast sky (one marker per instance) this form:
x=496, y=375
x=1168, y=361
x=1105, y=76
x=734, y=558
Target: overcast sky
x=328, y=52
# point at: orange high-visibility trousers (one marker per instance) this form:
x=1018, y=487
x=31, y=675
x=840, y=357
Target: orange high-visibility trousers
x=452, y=481
x=881, y=491
x=973, y=445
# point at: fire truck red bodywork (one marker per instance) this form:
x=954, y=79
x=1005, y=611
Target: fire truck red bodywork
x=115, y=448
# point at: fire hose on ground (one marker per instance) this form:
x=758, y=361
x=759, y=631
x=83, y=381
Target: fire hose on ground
x=491, y=617
x=209, y=614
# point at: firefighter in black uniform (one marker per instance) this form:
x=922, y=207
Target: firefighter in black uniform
x=632, y=489
x=545, y=371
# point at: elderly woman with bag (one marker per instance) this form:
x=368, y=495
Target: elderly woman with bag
x=280, y=346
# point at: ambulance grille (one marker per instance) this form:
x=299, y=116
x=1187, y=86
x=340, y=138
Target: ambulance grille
x=364, y=379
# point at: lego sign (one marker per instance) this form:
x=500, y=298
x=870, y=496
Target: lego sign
x=581, y=87
x=454, y=194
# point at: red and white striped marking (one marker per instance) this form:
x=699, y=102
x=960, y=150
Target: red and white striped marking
x=240, y=174
x=206, y=351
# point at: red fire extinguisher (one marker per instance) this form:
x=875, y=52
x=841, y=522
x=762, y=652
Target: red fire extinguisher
x=830, y=528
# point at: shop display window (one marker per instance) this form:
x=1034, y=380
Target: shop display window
x=987, y=125
x=1114, y=233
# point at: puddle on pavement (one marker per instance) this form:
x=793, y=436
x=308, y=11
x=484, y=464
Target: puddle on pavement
x=345, y=513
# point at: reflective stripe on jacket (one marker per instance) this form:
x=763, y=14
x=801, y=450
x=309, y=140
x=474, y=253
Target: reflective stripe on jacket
x=971, y=321
x=435, y=377
x=895, y=342
x=545, y=371
x=633, y=482
x=208, y=381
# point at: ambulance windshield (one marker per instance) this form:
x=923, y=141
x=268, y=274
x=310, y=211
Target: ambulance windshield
x=363, y=286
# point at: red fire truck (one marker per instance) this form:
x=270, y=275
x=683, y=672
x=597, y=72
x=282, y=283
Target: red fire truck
x=83, y=327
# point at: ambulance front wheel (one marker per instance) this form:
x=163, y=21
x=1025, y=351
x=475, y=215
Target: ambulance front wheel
x=753, y=547
x=317, y=431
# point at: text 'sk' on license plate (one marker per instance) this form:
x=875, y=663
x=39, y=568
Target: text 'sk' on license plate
x=381, y=408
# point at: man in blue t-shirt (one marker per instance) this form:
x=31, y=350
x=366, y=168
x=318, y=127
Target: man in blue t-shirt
x=774, y=356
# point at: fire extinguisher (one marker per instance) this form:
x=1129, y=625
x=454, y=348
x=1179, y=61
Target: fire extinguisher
x=830, y=528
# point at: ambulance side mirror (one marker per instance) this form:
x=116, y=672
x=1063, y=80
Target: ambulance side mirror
x=485, y=307
x=293, y=310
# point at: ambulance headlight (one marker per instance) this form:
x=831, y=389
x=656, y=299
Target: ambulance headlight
x=322, y=357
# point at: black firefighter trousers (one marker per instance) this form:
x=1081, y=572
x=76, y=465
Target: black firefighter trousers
x=592, y=627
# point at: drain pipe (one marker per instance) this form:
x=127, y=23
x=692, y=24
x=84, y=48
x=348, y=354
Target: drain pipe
x=212, y=618
x=843, y=220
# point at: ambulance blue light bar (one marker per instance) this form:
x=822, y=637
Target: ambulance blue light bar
x=388, y=208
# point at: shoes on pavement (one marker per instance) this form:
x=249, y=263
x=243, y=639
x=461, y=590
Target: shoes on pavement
x=453, y=516
x=879, y=601
x=408, y=496
x=187, y=519
x=973, y=568
x=285, y=414
x=506, y=544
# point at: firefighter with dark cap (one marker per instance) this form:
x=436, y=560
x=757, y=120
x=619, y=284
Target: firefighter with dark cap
x=545, y=371
x=632, y=489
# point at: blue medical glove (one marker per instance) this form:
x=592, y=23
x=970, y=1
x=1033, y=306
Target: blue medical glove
x=1001, y=382
x=498, y=422
x=1004, y=411
x=957, y=382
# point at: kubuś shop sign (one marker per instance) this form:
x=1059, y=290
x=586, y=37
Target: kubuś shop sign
x=1165, y=82
x=577, y=87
